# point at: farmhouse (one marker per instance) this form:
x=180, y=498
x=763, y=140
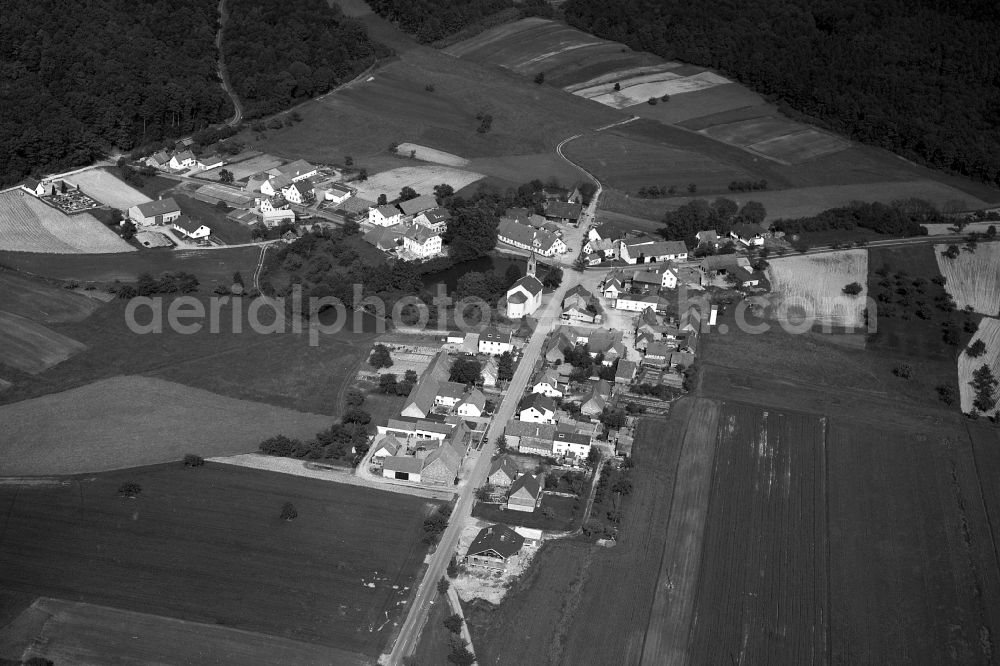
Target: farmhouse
x=537, y=408
x=274, y=185
x=387, y=239
x=189, y=228
x=625, y=372
x=748, y=234
x=604, y=248
x=707, y=238
x=182, y=160
x=441, y=466
x=492, y=341
x=418, y=205
x=384, y=216
x=525, y=494
x=722, y=264
x=207, y=162
x=524, y=435
x=657, y=355
x=525, y=295
x=158, y=160
x=435, y=219
x=424, y=395
x=571, y=445
x=613, y=284
x=638, y=303
x=493, y=546
x=548, y=384
x=503, y=472
x=647, y=250
x=295, y=171
x=594, y=401
x=163, y=211
x=387, y=446
x=402, y=468
x=336, y=192
x=525, y=237
x=606, y=231
x=300, y=192
x=421, y=242
x=562, y=211
x=473, y=404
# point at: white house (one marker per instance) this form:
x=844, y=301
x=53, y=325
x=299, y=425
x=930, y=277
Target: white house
x=421, y=241
x=639, y=302
x=605, y=247
x=384, y=216
x=34, y=187
x=670, y=276
x=449, y=394
x=526, y=237
x=274, y=185
x=300, y=192
x=163, y=211
x=525, y=295
x=337, y=193
x=494, y=342
x=749, y=234
x=183, y=160
x=647, y=250
x=188, y=227
x=207, y=162
x=436, y=219
x=537, y=408
x=295, y=171
x=472, y=405
x=571, y=445
x=548, y=384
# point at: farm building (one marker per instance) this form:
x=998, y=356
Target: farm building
x=387, y=446
x=158, y=160
x=525, y=494
x=526, y=237
x=522, y=435
x=418, y=205
x=606, y=231
x=402, y=468
x=647, y=250
x=491, y=371
x=295, y=171
x=492, y=341
x=213, y=194
x=749, y=234
x=163, y=211
x=384, y=216
x=625, y=373
x=657, y=355
x=503, y=472
x=472, y=405
x=707, y=238
x=207, y=162
x=274, y=185
x=562, y=211
x=183, y=160
x=435, y=219
x=548, y=384
x=493, y=546
x=336, y=192
x=595, y=400
x=441, y=465
x=537, y=408
x=190, y=228
x=640, y=302
x=387, y=239
x=424, y=395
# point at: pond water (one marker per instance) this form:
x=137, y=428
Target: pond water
x=450, y=276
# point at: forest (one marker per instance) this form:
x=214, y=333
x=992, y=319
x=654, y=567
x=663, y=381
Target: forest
x=917, y=77
x=432, y=20
x=278, y=54
x=79, y=78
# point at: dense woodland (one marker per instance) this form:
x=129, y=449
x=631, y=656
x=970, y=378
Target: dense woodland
x=918, y=77
x=431, y=20
x=281, y=53
x=78, y=78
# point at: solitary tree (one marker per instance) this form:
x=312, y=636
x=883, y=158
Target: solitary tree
x=354, y=398
x=976, y=349
x=380, y=357
x=443, y=586
x=348, y=161
x=225, y=176
x=288, y=511
x=363, y=175
x=407, y=193
x=540, y=78
x=382, y=200
x=853, y=289
x=618, y=86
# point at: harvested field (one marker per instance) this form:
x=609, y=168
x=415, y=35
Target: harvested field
x=206, y=545
x=132, y=421
x=108, y=189
x=640, y=89
x=989, y=332
x=32, y=348
x=34, y=299
x=673, y=610
x=68, y=632
x=810, y=288
x=762, y=585
x=778, y=138
x=28, y=225
x=420, y=178
x=245, y=169
x=746, y=132
x=973, y=277
x=431, y=155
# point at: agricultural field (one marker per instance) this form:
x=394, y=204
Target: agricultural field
x=639, y=89
x=207, y=545
x=420, y=178
x=132, y=421
x=425, y=154
x=762, y=584
x=989, y=332
x=70, y=632
x=108, y=189
x=810, y=288
x=244, y=169
x=973, y=277
x=30, y=347
x=28, y=225
x=42, y=302
x=778, y=138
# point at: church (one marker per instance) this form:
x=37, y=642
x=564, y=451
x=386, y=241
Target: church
x=525, y=295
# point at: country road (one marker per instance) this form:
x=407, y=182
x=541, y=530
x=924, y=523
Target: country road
x=221, y=68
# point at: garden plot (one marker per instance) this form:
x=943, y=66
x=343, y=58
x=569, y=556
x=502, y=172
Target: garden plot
x=813, y=286
x=422, y=179
x=108, y=189
x=973, y=277
x=654, y=85
x=431, y=155
x=989, y=333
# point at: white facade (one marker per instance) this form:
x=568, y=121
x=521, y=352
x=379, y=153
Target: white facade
x=495, y=347
x=547, y=388
x=534, y=415
x=384, y=216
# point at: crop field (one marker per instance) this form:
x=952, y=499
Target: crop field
x=692, y=106
x=778, y=138
x=762, y=588
x=132, y=421
x=989, y=332
x=810, y=287
x=108, y=189
x=207, y=545
x=42, y=302
x=420, y=178
x=28, y=225
x=639, y=89
x=70, y=633
x=973, y=277
x=32, y=348
x=245, y=169
x=212, y=267
x=431, y=155
x=565, y=54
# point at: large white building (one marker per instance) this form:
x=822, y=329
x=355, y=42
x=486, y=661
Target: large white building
x=163, y=211
x=384, y=216
x=494, y=342
x=647, y=250
x=421, y=241
x=525, y=295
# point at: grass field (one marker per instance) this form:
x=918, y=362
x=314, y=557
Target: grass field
x=132, y=421
x=973, y=277
x=225, y=229
x=989, y=332
x=426, y=154
x=28, y=225
x=46, y=303
x=108, y=189
x=420, y=178
x=29, y=347
x=811, y=286
x=207, y=545
x=692, y=106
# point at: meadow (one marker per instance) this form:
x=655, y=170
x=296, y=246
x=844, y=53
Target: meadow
x=422, y=179
x=30, y=347
x=108, y=189
x=41, y=301
x=28, y=225
x=131, y=421
x=812, y=286
x=989, y=332
x=207, y=545
x=973, y=277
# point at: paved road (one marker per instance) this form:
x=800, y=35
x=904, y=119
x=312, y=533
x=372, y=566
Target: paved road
x=409, y=634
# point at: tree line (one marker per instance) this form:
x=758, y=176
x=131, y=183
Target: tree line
x=918, y=77
x=431, y=20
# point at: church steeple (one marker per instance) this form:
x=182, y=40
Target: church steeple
x=531, y=265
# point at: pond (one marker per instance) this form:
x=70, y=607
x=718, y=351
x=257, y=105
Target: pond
x=495, y=262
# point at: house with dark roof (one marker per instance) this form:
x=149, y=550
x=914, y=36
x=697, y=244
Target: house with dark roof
x=657, y=354
x=473, y=404
x=537, y=408
x=648, y=250
x=525, y=435
x=524, y=296
x=441, y=466
x=492, y=341
x=158, y=160
x=526, y=237
x=275, y=184
x=748, y=234
x=435, y=219
x=209, y=161
x=385, y=446
x=503, y=472
x=402, y=468
x=625, y=372
x=190, y=228
x=594, y=401
x=707, y=238
x=384, y=216
x=418, y=205
x=301, y=192
x=547, y=383
x=163, y=211
x=525, y=494
x=493, y=546
x=424, y=394
x=183, y=160
x=563, y=211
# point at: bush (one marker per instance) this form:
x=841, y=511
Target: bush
x=380, y=357
x=903, y=370
x=443, y=586
x=976, y=349
x=191, y=460
x=288, y=511
x=853, y=289
x=129, y=489
x=454, y=623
